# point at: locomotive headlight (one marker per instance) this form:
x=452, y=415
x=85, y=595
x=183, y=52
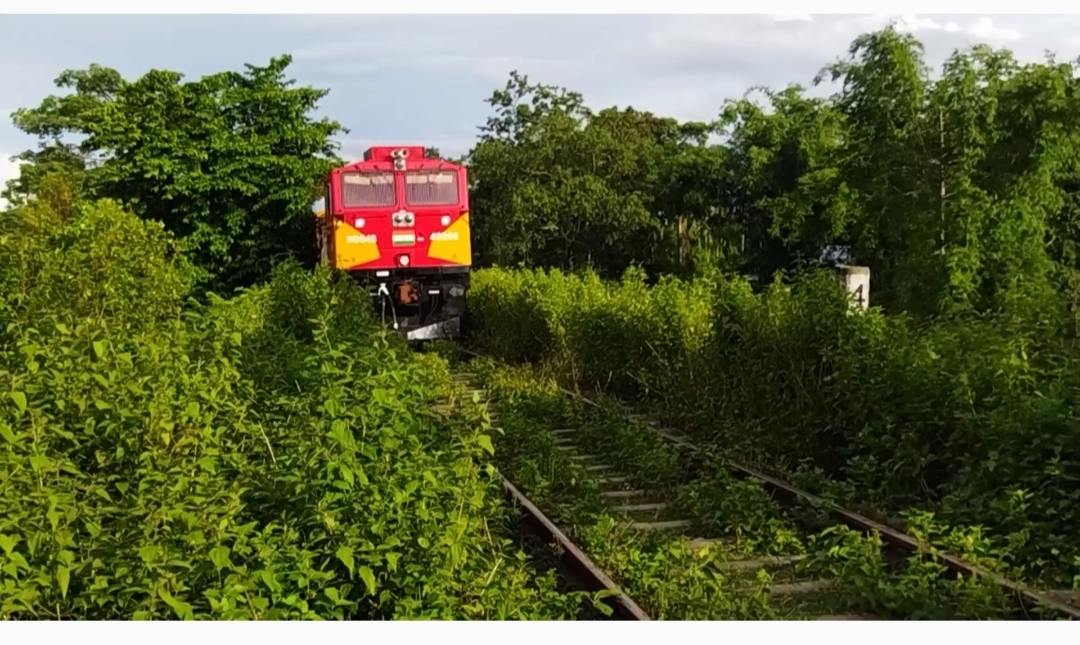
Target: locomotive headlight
x=398, y=217
x=409, y=219
x=403, y=259
x=445, y=220
x=359, y=222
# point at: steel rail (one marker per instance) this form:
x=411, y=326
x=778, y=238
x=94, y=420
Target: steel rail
x=624, y=607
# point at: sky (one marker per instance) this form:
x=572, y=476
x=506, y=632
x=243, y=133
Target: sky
x=423, y=79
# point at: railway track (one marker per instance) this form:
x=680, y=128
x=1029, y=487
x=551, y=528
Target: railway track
x=797, y=591
x=644, y=512
x=1059, y=603
x=575, y=567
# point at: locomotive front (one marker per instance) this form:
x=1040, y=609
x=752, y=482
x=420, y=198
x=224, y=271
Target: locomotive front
x=399, y=223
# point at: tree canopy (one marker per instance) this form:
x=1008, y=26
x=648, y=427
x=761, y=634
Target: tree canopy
x=957, y=190
x=229, y=162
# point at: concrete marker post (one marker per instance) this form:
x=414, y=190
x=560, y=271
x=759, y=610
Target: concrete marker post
x=857, y=283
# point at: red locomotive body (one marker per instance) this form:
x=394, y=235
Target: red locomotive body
x=399, y=222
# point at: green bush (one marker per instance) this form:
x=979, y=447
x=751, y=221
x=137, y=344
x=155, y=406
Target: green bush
x=971, y=418
x=265, y=457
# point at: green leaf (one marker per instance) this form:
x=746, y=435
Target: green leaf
x=598, y=603
x=347, y=475
x=485, y=443
x=40, y=463
x=8, y=542
x=99, y=349
x=368, y=576
x=18, y=559
x=54, y=517
x=20, y=400
x=360, y=476
x=209, y=464
x=7, y=434
x=179, y=607
x=219, y=556
x=345, y=554
x=63, y=576
x=149, y=553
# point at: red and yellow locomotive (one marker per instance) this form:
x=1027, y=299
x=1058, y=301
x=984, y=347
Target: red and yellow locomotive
x=399, y=223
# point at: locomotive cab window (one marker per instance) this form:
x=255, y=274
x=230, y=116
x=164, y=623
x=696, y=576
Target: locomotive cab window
x=366, y=189
x=431, y=188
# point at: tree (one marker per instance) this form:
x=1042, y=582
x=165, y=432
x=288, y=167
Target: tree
x=955, y=181
x=57, y=121
x=229, y=163
x=782, y=183
x=555, y=184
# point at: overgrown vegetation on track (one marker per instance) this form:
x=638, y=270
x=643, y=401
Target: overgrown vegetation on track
x=271, y=456
x=970, y=421
x=663, y=572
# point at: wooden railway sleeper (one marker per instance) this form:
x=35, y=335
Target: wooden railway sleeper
x=660, y=526
x=640, y=508
x=612, y=479
x=623, y=494
x=760, y=563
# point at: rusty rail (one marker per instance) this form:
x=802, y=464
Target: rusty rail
x=594, y=577
x=908, y=543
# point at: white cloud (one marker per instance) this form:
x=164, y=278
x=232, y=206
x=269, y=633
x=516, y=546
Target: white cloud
x=983, y=28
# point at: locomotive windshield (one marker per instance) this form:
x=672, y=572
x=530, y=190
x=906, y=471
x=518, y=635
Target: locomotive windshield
x=431, y=188
x=365, y=189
